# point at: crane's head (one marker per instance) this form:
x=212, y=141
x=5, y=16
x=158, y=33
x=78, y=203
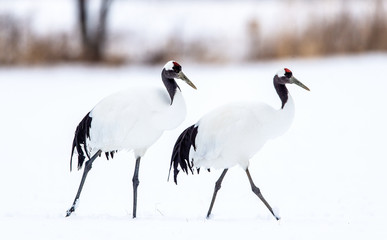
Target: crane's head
x=285, y=76
x=173, y=70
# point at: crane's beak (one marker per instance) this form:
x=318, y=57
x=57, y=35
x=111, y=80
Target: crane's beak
x=183, y=77
x=295, y=81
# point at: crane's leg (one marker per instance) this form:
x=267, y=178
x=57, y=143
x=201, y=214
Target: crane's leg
x=218, y=185
x=88, y=166
x=136, y=182
x=259, y=194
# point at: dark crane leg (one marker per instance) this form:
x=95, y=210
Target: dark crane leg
x=88, y=166
x=136, y=182
x=258, y=193
x=218, y=185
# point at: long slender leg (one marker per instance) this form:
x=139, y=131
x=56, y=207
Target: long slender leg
x=136, y=182
x=218, y=185
x=259, y=194
x=88, y=166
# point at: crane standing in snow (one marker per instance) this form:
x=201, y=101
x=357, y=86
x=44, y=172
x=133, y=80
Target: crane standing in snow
x=232, y=134
x=130, y=120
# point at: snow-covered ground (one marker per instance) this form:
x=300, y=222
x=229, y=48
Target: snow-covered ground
x=326, y=176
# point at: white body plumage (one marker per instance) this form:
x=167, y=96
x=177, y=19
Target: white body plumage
x=134, y=119
x=232, y=134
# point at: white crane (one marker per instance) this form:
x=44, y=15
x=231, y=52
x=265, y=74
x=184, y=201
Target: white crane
x=232, y=134
x=130, y=120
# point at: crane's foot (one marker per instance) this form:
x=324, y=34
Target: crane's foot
x=72, y=209
x=68, y=212
x=276, y=214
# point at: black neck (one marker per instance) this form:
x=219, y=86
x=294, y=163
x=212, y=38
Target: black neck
x=282, y=92
x=170, y=85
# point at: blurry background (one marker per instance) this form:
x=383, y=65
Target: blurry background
x=153, y=31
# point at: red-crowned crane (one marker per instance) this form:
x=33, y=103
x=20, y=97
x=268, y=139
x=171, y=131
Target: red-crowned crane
x=232, y=134
x=130, y=120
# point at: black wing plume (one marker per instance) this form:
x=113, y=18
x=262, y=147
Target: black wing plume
x=81, y=133
x=180, y=154
x=111, y=154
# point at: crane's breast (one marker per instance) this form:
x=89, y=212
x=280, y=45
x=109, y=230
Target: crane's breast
x=130, y=119
x=230, y=135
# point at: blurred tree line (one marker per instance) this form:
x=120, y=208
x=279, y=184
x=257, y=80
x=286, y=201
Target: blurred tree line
x=19, y=45
x=93, y=33
x=342, y=34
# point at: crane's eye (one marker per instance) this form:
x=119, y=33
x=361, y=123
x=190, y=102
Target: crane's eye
x=176, y=67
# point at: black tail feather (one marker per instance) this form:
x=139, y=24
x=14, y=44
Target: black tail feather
x=81, y=133
x=180, y=154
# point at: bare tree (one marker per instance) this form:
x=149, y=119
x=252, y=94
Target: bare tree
x=93, y=33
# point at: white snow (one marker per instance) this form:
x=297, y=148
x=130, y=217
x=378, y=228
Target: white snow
x=327, y=174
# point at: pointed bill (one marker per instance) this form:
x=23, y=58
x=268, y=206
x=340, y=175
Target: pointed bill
x=295, y=81
x=183, y=77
